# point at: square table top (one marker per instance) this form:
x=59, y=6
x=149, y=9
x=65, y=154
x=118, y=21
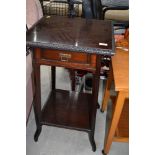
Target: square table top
x=72, y=34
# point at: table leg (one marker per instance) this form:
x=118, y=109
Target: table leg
x=72, y=76
x=37, y=101
x=93, y=108
x=98, y=105
x=115, y=119
x=92, y=141
x=53, y=75
x=106, y=95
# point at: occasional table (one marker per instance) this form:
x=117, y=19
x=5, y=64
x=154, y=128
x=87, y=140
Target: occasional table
x=72, y=43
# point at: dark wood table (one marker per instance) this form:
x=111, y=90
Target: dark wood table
x=72, y=43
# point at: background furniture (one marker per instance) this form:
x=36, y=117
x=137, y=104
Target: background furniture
x=72, y=8
x=62, y=8
x=117, y=127
x=70, y=44
x=117, y=10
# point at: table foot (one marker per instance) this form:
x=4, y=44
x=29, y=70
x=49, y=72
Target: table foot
x=103, y=152
x=98, y=106
x=37, y=133
x=92, y=142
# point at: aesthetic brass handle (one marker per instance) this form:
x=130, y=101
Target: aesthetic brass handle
x=64, y=57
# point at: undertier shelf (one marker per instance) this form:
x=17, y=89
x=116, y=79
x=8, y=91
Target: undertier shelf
x=67, y=109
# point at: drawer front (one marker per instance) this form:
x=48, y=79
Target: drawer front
x=66, y=56
x=74, y=60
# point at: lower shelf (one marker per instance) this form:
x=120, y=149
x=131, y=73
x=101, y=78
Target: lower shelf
x=67, y=109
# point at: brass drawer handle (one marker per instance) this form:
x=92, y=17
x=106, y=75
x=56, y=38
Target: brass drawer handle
x=64, y=57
